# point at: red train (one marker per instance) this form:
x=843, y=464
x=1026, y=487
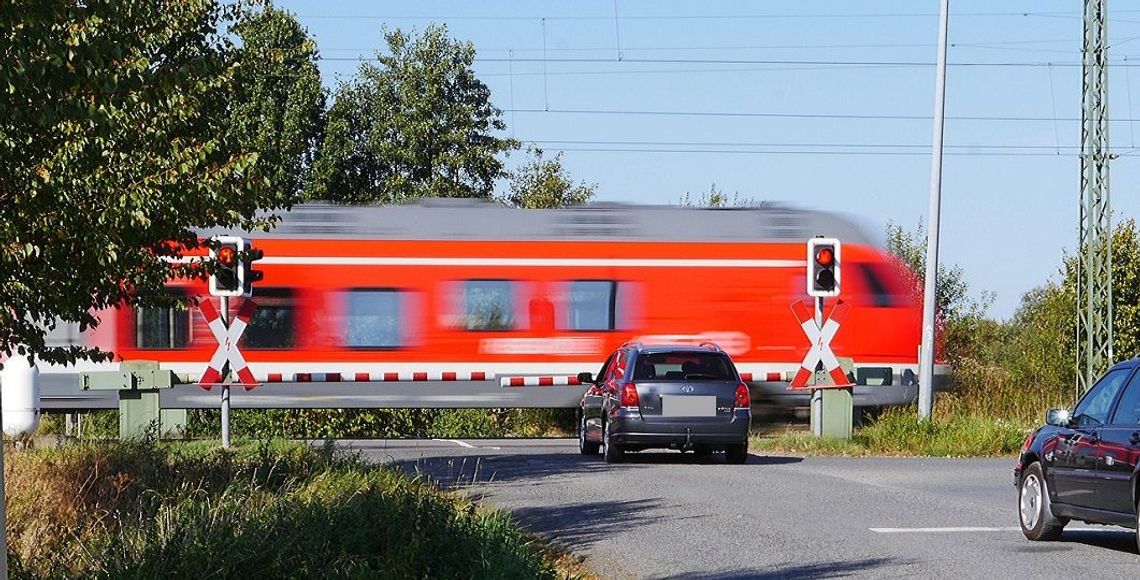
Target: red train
x=457, y=290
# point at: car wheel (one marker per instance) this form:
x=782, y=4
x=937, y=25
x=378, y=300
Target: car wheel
x=1138, y=524
x=585, y=447
x=736, y=454
x=612, y=453
x=1034, y=509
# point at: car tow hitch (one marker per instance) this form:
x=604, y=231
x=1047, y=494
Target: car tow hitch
x=688, y=439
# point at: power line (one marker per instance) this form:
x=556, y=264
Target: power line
x=812, y=152
x=1022, y=14
x=895, y=117
x=781, y=144
x=984, y=44
x=853, y=63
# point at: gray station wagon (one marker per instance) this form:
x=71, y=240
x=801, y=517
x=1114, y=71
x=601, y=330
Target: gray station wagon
x=677, y=397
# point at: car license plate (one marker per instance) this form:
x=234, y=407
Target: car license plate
x=688, y=406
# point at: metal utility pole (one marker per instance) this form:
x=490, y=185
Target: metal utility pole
x=926, y=364
x=1094, y=252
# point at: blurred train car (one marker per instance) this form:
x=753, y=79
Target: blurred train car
x=459, y=290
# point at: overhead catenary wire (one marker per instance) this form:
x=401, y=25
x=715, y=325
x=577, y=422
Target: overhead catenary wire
x=1053, y=97
x=776, y=16
x=787, y=115
x=791, y=144
x=814, y=152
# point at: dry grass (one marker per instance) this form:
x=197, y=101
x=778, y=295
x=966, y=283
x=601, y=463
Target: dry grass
x=138, y=510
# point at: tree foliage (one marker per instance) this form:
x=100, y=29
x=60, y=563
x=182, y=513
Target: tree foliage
x=277, y=105
x=544, y=183
x=418, y=123
x=1026, y=364
x=114, y=140
x=953, y=292
x=715, y=197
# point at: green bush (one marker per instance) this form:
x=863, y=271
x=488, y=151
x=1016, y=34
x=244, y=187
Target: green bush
x=384, y=423
x=898, y=431
x=138, y=510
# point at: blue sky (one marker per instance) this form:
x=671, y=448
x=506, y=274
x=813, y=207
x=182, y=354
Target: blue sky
x=652, y=99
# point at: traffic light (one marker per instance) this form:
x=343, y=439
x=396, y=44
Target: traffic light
x=226, y=278
x=247, y=273
x=823, y=267
x=233, y=274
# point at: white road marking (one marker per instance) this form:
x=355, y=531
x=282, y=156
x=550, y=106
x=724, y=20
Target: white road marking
x=457, y=442
x=953, y=530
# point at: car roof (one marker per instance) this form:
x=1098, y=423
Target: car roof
x=658, y=348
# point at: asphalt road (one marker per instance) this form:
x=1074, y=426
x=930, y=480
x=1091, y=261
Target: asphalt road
x=669, y=515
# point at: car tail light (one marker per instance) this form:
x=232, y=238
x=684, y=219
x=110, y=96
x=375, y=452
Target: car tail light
x=1028, y=442
x=743, y=400
x=629, y=395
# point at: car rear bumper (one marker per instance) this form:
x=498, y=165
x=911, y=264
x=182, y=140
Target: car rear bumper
x=629, y=429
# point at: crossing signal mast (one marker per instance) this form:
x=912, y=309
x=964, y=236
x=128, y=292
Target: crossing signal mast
x=233, y=275
x=1094, y=251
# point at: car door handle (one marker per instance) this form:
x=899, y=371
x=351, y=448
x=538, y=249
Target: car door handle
x=1135, y=438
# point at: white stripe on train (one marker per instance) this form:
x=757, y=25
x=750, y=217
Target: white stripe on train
x=263, y=369
x=521, y=262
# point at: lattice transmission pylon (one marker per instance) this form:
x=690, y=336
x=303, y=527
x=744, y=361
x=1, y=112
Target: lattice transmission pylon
x=1094, y=252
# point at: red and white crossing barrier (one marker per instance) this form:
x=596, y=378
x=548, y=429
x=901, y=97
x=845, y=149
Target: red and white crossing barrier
x=404, y=376
x=382, y=377
x=539, y=381
x=227, y=350
x=820, y=338
x=771, y=377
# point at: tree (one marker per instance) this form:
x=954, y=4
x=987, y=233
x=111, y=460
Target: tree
x=953, y=292
x=113, y=135
x=715, y=197
x=959, y=315
x=416, y=124
x=277, y=106
x=544, y=183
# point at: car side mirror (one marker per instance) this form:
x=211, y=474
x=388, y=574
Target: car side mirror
x=585, y=378
x=1058, y=417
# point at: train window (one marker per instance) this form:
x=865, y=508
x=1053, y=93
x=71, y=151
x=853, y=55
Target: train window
x=881, y=295
x=272, y=323
x=590, y=305
x=159, y=328
x=489, y=304
x=374, y=318
x=63, y=334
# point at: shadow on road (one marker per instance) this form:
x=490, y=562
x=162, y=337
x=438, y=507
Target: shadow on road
x=838, y=569
x=583, y=524
x=463, y=470
x=1121, y=541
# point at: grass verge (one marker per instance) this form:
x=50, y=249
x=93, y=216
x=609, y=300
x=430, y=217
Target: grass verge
x=898, y=431
x=135, y=510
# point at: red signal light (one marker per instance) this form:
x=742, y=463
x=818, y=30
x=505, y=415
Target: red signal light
x=227, y=256
x=825, y=257
x=629, y=396
x=743, y=399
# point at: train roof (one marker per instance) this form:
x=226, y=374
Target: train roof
x=466, y=219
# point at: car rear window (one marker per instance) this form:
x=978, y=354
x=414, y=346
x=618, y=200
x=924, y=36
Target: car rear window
x=689, y=366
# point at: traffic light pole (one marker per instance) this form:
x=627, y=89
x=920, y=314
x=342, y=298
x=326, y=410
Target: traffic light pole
x=817, y=394
x=225, y=314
